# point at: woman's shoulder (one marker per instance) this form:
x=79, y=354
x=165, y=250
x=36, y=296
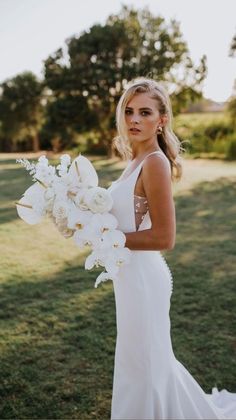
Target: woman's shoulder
x=157, y=160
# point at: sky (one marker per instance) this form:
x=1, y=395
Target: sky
x=31, y=30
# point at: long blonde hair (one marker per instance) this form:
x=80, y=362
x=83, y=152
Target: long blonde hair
x=167, y=140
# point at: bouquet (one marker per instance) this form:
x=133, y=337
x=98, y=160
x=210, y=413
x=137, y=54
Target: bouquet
x=70, y=196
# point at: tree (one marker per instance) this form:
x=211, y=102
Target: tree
x=232, y=102
x=102, y=59
x=21, y=109
x=232, y=50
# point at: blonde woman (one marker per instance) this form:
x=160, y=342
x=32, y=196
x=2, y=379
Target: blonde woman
x=149, y=382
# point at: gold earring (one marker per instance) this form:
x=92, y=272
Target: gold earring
x=159, y=130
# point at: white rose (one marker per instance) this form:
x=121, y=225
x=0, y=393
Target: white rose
x=98, y=200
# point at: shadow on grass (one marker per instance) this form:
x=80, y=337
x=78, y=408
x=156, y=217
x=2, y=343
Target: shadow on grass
x=58, y=351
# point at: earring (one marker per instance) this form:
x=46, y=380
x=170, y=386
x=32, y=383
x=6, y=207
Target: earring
x=159, y=130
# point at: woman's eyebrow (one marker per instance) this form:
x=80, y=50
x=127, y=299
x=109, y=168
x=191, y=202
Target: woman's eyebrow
x=140, y=109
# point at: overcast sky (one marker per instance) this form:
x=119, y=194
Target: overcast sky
x=30, y=30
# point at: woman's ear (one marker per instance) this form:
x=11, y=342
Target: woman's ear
x=163, y=120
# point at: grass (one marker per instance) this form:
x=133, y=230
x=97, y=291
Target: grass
x=58, y=333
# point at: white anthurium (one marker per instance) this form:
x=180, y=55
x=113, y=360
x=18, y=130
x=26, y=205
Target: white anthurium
x=78, y=219
x=116, y=258
x=113, y=239
x=104, y=276
x=26, y=212
x=35, y=196
x=103, y=222
x=95, y=259
x=82, y=171
x=98, y=200
x=86, y=236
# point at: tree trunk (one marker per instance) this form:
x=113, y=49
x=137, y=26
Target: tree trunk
x=35, y=143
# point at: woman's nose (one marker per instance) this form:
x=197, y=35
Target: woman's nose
x=135, y=119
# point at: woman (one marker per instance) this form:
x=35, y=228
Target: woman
x=149, y=382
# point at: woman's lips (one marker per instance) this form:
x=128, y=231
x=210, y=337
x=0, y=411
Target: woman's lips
x=134, y=130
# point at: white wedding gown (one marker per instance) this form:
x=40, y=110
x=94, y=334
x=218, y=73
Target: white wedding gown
x=149, y=383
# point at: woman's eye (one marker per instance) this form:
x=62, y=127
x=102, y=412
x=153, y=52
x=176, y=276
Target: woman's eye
x=145, y=113
x=127, y=112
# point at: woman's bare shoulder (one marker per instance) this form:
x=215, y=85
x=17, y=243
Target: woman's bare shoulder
x=156, y=164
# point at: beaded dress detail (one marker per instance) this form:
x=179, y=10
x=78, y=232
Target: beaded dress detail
x=141, y=208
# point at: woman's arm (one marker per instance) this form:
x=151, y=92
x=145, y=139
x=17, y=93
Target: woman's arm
x=158, y=189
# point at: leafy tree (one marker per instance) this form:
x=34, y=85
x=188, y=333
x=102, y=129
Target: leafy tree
x=232, y=51
x=21, y=109
x=232, y=102
x=102, y=59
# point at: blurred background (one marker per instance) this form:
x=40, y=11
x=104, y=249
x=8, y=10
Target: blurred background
x=64, y=64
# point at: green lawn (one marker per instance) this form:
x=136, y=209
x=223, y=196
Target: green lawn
x=58, y=332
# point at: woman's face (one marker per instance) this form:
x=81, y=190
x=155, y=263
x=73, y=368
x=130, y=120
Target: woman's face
x=142, y=118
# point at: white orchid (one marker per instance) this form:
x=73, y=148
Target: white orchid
x=87, y=236
x=78, y=219
x=95, y=259
x=113, y=239
x=104, y=276
x=103, y=222
x=116, y=259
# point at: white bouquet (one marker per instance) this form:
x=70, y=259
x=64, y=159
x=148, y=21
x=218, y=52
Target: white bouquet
x=69, y=195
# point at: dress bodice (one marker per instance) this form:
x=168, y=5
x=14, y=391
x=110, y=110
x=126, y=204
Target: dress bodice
x=131, y=210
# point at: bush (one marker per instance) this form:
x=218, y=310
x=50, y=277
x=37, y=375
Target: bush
x=231, y=148
x=206, y=134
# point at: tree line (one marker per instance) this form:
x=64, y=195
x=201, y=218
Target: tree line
x=83, y=80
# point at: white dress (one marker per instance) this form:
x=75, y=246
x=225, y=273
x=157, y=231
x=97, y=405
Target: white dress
x=149, y=383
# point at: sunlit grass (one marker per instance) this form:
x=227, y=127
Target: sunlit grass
x=58, y=332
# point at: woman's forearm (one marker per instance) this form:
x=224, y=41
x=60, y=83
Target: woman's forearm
x=148, y=240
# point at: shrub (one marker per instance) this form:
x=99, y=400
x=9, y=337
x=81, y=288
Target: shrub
x=231, y=148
